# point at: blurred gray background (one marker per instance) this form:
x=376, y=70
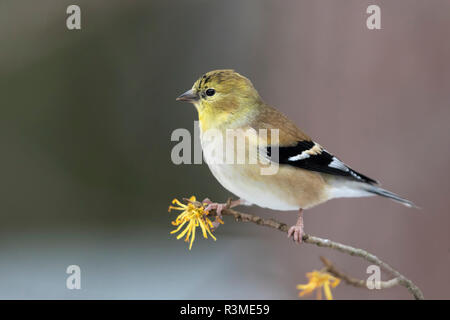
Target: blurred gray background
x=86, y=118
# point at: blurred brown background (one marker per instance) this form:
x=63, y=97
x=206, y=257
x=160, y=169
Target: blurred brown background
x=86, y=118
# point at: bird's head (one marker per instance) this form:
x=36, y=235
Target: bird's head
x=221, y=96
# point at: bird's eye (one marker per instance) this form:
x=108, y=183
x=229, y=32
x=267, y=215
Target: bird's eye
x=210, y=92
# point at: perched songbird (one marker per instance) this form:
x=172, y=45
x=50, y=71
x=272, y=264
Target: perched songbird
x=306, y=175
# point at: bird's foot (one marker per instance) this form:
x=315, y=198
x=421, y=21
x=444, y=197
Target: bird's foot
x=219, y=207
x=214, y=206
x=296, y=231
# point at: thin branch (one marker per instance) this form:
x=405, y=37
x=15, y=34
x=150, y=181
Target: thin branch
x=274, y=224
x=330, y=268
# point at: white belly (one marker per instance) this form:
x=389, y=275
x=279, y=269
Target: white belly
x=235, y=179
x=245, y=181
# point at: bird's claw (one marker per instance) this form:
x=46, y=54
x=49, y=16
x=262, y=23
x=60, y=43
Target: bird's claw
x=218, y=207
x=297, y=233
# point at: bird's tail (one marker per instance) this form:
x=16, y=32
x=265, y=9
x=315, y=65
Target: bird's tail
x=384, y=193
x=342, y=188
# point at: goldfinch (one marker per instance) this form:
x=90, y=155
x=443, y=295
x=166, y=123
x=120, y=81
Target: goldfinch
x=306, y=174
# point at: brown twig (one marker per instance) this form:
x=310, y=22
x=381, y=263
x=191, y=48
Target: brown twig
x=274, y=224
x=330, y=268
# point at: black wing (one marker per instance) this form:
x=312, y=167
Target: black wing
x=311, y=156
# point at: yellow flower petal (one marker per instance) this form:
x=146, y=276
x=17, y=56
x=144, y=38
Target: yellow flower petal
x=327, y=291
x=335, y=283
x=191, y=228
x=192, y=240
x=184, y=231
x=317, y=281
x=212, y=236
x=203, y=227
x=179, y=227
x=175, y=201
x=175, y=208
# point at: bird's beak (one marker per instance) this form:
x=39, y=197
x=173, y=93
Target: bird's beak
x=188, y=96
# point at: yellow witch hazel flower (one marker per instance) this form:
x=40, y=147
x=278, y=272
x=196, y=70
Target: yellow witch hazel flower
x=317, y=280
x=194, y=216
